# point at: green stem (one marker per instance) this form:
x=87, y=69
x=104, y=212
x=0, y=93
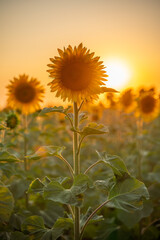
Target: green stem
x=71, y=211
x=79, y=147
x=25, y=143
x=89, y=218
x=94, y=164
x=76, y=170
x=25, y=154
x=67, y=164
x=139, y=147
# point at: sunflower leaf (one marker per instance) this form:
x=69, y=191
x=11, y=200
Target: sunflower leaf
x=55, y=109
x=6, y=203
x=114, y=162
x=46, y=151
x=34, y=225
x=109, y=90
x=36, y=186
x=6, y=157
x=92, y=129
x=128, y=194
x=56, y=192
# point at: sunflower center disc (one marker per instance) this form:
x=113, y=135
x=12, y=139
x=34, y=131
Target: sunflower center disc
x=76, y=75
x=147, y=104
x=127, y=100
x=25, y=93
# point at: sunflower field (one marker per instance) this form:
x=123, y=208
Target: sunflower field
x=88, y=170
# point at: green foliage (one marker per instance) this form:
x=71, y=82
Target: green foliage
x=92, y=129
x=6, y=203
x=128, y=194
x=114, y=162
x=55, y=191
x=46, y=151
x=7, y=157
x=34, y=225
x=51, y=199
x=55, y=110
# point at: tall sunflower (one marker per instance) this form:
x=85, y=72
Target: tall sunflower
x=25, y=94
x=76, y=74
x=148, y=106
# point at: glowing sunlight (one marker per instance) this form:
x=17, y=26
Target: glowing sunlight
x=119, y=73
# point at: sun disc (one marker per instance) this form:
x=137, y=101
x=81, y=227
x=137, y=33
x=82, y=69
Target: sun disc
x=119, y=73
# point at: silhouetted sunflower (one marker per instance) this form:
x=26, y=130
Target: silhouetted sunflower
x=77, y=75
x=111, y=100
x=25, y=94
x=148, y=106
x=127, y=100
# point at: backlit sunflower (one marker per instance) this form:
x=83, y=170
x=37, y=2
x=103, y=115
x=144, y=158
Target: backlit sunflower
x=25, y=94
x=76, y=74
x=111, y=100
x=148, y=106
x=127, y=100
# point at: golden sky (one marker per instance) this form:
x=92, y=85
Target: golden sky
x=32, y=30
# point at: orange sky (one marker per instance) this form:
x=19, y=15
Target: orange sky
x=32, y=30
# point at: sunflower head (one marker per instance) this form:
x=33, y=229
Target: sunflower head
x=148, y=108
x=76, y=74
x=25, y=94
x=111, y=100
x=127, y=100
x=12, y=121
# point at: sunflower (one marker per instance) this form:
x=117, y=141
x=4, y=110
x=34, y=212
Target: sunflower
x=148, y=106
x=25, y=94
x=12, y=121
x=111, y=100
x=76, y=74
x=127, y=100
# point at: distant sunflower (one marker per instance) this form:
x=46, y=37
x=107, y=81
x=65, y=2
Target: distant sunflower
x=148, y=108
x=127, y=101
x=12, y=121
x=111, y=100
x=25, y=94
x=77, y=75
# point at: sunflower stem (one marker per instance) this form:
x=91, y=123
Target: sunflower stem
x=94, y=164
x=25, y=153
x=76, y=170
x=90, y=217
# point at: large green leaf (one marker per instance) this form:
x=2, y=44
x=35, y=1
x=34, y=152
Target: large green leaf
x=128, y=194
x=6, y=203
x=46, y=151
x=34, y=225
x=55, y=109
x=8, y=157
x=56, y=192
x=92, y=129
x=114, y=162
x=36, y=186
x=130, y=219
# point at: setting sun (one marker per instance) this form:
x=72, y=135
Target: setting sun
x=119, y=73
